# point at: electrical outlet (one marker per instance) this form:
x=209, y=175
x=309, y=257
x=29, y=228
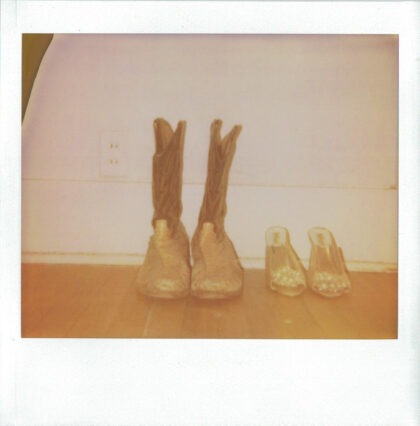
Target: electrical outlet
x=114, y=161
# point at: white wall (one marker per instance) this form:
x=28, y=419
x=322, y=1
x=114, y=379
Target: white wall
x=318, y=146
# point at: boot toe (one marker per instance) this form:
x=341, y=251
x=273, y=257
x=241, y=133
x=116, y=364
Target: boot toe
x=216, y=284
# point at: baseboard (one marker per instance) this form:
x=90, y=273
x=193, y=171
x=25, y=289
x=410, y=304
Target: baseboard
x=352, y=265
x=83, y=258
x=137, y=259
x=83, y=222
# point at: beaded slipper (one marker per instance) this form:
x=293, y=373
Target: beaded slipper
x=327, y=272
x=284, y=271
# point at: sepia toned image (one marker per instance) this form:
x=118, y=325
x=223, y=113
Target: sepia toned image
x=209, y=186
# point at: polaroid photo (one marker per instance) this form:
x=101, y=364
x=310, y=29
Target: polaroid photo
x=210, y=213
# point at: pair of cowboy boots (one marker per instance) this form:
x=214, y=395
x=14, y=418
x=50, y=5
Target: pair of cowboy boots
x=166, y=271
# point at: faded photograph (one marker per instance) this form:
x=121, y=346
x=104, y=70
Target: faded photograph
x=210, y=186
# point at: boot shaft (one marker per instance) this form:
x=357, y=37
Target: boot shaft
x=167, y=172
x=221, y=152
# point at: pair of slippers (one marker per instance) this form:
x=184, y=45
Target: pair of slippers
x=285, y=273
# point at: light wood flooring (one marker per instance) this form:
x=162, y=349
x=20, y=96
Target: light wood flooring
x=101, y=301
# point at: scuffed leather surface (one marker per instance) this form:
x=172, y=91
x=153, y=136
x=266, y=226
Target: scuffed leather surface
x=166, y=270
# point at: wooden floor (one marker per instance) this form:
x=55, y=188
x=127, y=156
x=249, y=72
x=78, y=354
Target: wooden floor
x=101, y=301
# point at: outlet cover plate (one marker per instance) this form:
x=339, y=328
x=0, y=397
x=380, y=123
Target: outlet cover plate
x=113, y=156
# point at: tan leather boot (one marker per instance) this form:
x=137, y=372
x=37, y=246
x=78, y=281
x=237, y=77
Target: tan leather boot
x=166, y=270
x=217, y=272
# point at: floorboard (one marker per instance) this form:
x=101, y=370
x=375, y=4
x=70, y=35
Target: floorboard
x=95, y=301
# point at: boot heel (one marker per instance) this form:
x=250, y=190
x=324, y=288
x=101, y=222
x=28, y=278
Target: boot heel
x=327, y=272
x=283, y=269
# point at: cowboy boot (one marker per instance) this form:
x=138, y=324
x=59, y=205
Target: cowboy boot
x=217, y=272
x=166, y=270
